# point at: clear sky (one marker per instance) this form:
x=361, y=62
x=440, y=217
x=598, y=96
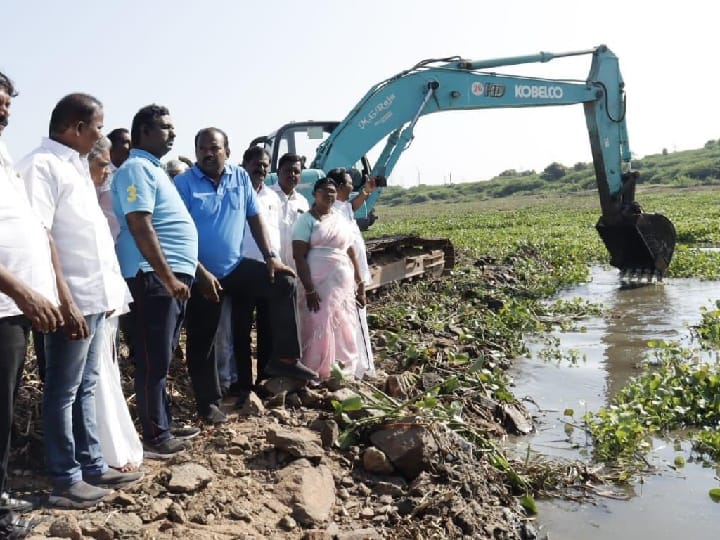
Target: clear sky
x=249, y=67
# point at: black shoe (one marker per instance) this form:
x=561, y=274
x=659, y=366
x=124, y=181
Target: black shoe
x=235, y=390
x=163, y=450
x=213, y=415
x=297, y=370
x=113, y=478
x=78, y=495
x=184, y=433
x=13, y=527
x=10, y=504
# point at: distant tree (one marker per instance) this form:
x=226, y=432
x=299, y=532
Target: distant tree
x=554, y=171
x=531, y=172
x=509, y=172
x=580, y=166
x=711, y=143
x=664, y=151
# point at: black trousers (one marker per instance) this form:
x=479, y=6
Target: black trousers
x=158, y=318
x=245, y=311
x=14, y=332
x=250, y=279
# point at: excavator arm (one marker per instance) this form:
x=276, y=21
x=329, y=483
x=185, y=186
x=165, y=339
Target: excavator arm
x=639, y=243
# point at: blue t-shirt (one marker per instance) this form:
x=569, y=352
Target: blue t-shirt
x=219, y=214
x=142, y=185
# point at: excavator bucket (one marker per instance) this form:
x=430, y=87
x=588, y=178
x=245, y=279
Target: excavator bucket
x=642, y=244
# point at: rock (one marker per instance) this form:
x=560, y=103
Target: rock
x=176, y=513
x=375, y=461
x=359, y=534
x=300, y=442
x=328, y=429
x=121, y=498
x=410, y=448
x=392, y=487
x=188, y=477
x=367, y=513
x=516, y=418
x=240, y=514
x=253, y=406
x=159, y=509
x=293, y=401
x=281, y=385
x=309, y=397
x=241, y=441
x=340, y=395
x=66, y=527
x=124, y=525
x=287, y=523
x=317, y=534
x=308, y=490
x=98, y=532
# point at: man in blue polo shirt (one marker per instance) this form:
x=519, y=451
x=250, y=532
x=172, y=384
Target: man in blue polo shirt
x=158, y=252
x=220, y=198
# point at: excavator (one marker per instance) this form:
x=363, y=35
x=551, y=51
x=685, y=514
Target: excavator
x=640, y=244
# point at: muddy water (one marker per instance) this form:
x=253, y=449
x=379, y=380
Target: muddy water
x=673, y=504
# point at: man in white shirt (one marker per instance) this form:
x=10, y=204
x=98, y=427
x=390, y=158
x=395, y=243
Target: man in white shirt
x=58, y=183
x=292, y=203
x=28, y=297
x=256, y=162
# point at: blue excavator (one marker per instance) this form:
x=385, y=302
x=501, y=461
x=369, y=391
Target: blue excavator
x=640, y=244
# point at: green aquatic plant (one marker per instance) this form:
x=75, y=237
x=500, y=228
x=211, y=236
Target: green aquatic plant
x=677, y=390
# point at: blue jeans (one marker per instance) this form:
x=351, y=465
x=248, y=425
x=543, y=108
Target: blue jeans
x=72, y=447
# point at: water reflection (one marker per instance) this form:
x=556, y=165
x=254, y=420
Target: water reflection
x=612, y=345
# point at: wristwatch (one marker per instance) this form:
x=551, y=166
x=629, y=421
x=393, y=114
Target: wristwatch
x=271, y=255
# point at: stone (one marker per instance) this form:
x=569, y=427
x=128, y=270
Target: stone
x=281, y=385
x=159, y=509
x=66, y=527
x=300, y=442
x=98, y=532
x=328, y=429
x=317, y=534
x=516, y=418
x=121, y=498
x=409, y=447
x=308, y=490
x=392, y=487
x=253, y=406
x=359, y=534
x=176, y=513
x=124, y=525
x=375, y=461
x=287, y=523
x=240, y=514
x=188, y=477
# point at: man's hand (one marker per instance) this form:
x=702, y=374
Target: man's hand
x=275, y=265
x=76, y=327
x=177, y=289
x=371, y=184
x=209, y=285
x=44, y=316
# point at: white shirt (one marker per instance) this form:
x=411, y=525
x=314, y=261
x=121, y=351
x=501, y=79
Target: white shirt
x=345, y=210
x=104, y=197
x=24, y=244
x=59, y=187
x=290, y=209
x=270, y=205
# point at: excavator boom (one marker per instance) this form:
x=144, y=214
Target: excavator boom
x=637, y=242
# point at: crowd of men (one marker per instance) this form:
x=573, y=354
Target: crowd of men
x=173, y=242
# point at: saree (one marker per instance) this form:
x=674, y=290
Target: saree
x=328, y=336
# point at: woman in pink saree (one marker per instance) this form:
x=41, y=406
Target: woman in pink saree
x=330, y=285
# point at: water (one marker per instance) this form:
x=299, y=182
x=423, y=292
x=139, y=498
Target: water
x=670, y=505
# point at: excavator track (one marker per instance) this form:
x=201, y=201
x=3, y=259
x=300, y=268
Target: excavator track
x=399, y=258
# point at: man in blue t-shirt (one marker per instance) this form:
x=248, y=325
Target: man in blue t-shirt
x=221, y=199
x=158, y=252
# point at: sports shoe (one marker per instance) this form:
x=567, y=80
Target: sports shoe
x=8, y=503
x=163, y=450
x=213, y=415
x=113, y=478
x=276, y=368
x=184, y=433
x=78, y=495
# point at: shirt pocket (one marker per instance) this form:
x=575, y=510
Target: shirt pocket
x=237, y=197
x=204, y=204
